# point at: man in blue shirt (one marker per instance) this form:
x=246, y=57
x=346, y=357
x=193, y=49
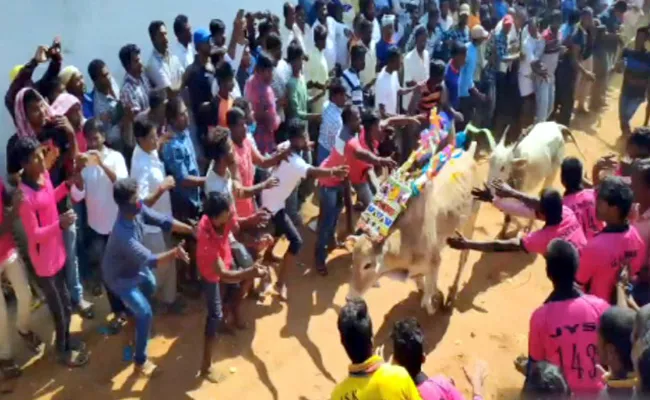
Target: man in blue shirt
x=500, y=8
x=127, y=263
x=467, y=90
x=452, y=73
x=180, y=162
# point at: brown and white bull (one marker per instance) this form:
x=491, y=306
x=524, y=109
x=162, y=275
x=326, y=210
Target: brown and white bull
x=414, y=246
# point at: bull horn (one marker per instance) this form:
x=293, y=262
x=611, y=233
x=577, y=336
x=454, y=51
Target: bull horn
x=488, y=134
x=502, y=141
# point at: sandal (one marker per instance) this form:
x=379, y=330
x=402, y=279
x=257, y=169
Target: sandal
x=73, y=358
x=9, y=369
x=147, y=370
x=77, y=345
x=33, y=342
x=85, y=309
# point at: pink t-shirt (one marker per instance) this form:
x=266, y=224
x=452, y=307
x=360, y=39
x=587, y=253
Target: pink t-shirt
x=583, y=205
x=603, y=257
x=7, y=244
x=565, y=333
x=439, y=388
x=569, y=229
x=244, y=159
x=40, y=218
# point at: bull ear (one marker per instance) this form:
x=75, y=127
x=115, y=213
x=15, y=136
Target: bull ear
x=519, y=163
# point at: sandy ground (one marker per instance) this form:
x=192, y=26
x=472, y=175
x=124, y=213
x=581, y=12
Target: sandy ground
x=292, y=350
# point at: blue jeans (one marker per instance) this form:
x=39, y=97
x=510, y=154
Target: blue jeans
x=627, y=107
x=215, y=310
x=72, y=265
x=322, y=154
x=136, y=299
x=331, y=205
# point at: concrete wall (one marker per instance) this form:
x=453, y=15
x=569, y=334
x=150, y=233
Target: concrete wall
x=96, y=29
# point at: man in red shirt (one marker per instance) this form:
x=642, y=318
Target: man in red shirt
x=360, y=157
x=214, y=260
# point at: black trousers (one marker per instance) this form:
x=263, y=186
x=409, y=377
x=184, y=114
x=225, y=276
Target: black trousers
x=57, y=298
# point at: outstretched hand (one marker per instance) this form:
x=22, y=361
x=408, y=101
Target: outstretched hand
x=484, y=194
x=501, y=189
x=458, y=242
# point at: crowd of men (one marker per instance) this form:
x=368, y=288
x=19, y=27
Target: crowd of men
x=165, y=186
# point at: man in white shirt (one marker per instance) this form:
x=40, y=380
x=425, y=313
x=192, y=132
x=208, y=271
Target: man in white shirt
x=316, y=70
x=416, y=64
x=330, y=25
x=529, y=69
x=289, y=31
x=102, y=166
x=387, y=87
x=289, y=173
x=164, y=69
x=153, y=190
x=183, y=47
x=369, y=72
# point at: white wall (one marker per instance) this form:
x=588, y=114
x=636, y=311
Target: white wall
x=96, y=29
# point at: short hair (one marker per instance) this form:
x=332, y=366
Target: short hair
x=294, y=52
x=574, y=17
x=295, y=128
x=217, y=27
x=436, y=68
x=173, y=108
x=615, y=327
x=215, y=204
x=23, y=149
x=571, y=173
x=457, y=48
x=234, y=115
x=393, y=53
x=273, y=42
x=358, y=51
x=642, y=167
x=562, y=261
x=587, y=12
x=369, y=119
x=419, y=31
x=243, y=104
x=408, y=344
x=264, y=61
x=179, y=23
x=154, y=27
x=126, y=54
x=142, y=128
x=285, y=8
x=640, y=138
x=336, y=87
x=545, y=378
x=94, y=68
x=644, y=370
x=620, y=6
x=265, y=27
x=124, y=190
x=550, y=205
x=348, y=111
x=217, y=143
x=157, y=98
x=93, y=125
x=615, y=192
x=320, y=33
x=223, y=71
x=355, y=327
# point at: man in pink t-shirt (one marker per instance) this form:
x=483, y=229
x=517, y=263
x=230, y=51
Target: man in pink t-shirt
x=580, y=200
x=564, y=330
x=617, y=246
x=560, y=223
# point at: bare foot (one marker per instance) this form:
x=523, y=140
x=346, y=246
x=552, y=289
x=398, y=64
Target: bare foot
x=212, y=375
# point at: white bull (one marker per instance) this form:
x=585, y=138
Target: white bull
x=533, y=160
x=414, y=246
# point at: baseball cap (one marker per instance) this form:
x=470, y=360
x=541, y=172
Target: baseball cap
x=464, y=9
x=201, y=36
x=478, y=32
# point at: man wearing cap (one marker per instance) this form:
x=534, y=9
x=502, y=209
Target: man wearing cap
x=386, y=42
x=199, y=77
x=467, y=89
x=458, y=33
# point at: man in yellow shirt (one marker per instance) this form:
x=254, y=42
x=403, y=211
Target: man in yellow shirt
x=369, y=377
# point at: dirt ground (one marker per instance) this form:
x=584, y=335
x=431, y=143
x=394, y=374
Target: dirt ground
x=292, y=351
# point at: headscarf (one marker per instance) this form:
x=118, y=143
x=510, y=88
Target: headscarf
x=63, y=103
x=22, y=122
x=67, y=73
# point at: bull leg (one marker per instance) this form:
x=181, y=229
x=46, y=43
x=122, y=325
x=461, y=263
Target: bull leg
x=419, y=283
x=429, y=302
x=507, y=218
x=468, y=232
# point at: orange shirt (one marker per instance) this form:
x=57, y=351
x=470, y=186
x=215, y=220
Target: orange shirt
x=473, y=20
x=224, y=106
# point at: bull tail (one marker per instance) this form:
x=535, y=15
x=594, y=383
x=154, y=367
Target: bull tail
x=488, y=134
x=567, y=134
